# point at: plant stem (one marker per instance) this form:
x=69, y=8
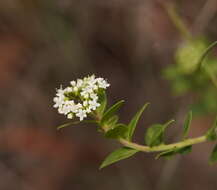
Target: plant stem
x=177, y=20
x=201, y=65
x=159, y=148
x=163, y=147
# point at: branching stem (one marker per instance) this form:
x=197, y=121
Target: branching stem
x=163, y=147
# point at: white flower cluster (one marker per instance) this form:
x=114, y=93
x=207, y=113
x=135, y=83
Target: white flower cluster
x=80, y=98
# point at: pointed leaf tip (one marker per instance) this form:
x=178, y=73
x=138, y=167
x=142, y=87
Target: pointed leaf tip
x=134, y=121
x=187, y=124
x=111, y=111
x=67, y=124
x=212, y=132
x=154, y=134
x=213, y=156
x=118, y=155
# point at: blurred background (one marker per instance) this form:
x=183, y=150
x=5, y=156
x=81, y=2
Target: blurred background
x=146, y=49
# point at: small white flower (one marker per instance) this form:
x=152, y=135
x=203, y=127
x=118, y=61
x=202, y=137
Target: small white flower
x=58, y=101
x=75, y=89
x=73, y=83
x=81, y=98
x=93, y=104
x=85, y=94
x=102, y=83
x=88, y=110
x=70, y=116
x=79, y=83
x=60, y=93
x=94, y=96
x=60, y=110
x=81, y=114
x=68, y=89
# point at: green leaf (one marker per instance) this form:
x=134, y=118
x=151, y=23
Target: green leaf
x=169, y=153
x=184, y=150
x=112, y=121
x=118, y=155
x=111, y=111
x=75, y=123
x=134, y=121
x=103, y=102
x=154, y=134
x=67, y=124
x=166, y=154
x=118, y=131
x=187, y=124
x=211, y=133
x=213, y=157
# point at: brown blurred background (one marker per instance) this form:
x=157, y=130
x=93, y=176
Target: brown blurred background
x=45, y=43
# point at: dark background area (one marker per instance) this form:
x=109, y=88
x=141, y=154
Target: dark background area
x=46, y=43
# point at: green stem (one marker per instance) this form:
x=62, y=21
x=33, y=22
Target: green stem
x=208, y=49
x=201, y=65
x=177, y=20
x=163, y=147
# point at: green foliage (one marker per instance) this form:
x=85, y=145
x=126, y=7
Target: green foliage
x=111, y=111
x=189, y=75
x=213, y=156
x=212, y=132
x=170, y=153
x=165, y=154
x=189, y=54
x=134, y=121
x=154, y=134
x=118, y=131
x=103, y=102
x=77, y=122
x=187, y=124
x=112, y=121
x=118, y=155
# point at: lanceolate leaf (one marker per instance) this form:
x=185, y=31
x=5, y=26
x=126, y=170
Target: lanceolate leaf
x=118, y=155
x=184, y=150
x=67, y=125
x=166, y=154
x=169, y=153
x=187, y=124
x=134, y=121
x=118, y=131
x=75, y=123
x=111, y=111
x=212, y=132
x=213, y=157
x=112, y=121
x=103, y=102
x=154, y=134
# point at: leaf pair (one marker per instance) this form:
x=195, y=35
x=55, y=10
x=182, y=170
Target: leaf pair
x=123, y=131
x=155, y=133
x=111, y=112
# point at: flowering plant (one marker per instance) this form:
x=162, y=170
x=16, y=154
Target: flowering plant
x=87, y=98
x=81, y=98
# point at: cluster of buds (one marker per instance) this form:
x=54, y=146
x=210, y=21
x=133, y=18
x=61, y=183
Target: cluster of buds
x=80, y=98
